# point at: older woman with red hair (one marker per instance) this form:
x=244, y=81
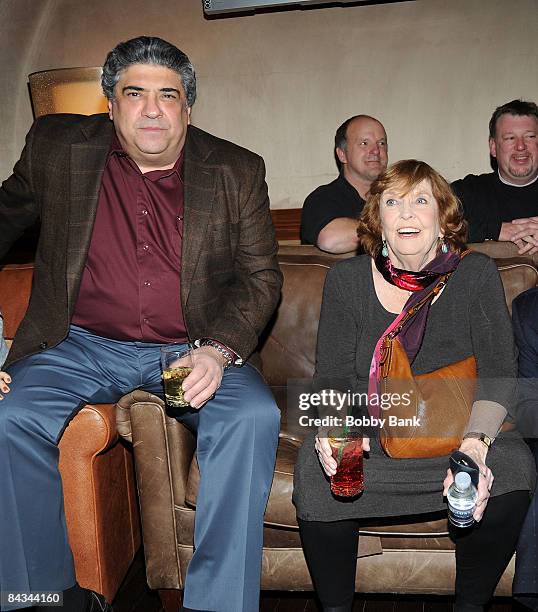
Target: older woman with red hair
x=413, y=233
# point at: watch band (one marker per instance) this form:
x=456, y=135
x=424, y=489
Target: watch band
x=234, y=358
x=485, y=439
x=223, y=350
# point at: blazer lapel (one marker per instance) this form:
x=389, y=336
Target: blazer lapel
x=88, y=160
x=199, y=195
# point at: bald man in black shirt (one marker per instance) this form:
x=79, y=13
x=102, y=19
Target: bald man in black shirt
x=330, y=212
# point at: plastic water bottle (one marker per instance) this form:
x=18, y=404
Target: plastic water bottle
x=461, y=496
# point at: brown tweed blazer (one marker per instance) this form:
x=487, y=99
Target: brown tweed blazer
x=230, y=280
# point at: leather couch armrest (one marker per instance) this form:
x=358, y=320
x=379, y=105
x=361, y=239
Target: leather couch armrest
x=163, y=450
x=158, y=439
x=96, y=482
x=123, y=414
x=97, y=418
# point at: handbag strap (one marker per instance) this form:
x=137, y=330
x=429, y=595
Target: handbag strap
x=413, y=311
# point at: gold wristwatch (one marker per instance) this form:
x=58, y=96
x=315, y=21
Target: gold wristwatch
x=485, y=439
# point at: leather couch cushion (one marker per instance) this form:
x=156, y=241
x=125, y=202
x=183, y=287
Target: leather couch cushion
x=280, y=511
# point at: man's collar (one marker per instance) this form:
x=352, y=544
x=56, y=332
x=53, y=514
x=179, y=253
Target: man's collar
x=115, y=145
x=351, y=188
x=513, y=184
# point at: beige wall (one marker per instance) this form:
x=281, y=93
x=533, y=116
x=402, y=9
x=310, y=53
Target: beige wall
x=280, y=83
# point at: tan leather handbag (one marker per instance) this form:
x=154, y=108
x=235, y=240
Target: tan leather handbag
x=429, y=412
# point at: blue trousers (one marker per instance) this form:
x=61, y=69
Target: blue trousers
x=237, y=436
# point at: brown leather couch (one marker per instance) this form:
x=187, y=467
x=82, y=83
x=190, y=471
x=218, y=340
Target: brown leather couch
x=97, y=471
x=411, y=557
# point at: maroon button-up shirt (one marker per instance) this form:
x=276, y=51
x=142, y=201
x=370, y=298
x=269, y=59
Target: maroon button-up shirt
x=130, y=287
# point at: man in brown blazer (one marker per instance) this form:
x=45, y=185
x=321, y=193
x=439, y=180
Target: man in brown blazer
x=152, y=232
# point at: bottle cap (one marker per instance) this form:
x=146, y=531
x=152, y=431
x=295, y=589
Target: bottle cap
x=462, y=480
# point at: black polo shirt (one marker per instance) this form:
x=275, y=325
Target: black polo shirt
x=488, y=202
x=328, y=202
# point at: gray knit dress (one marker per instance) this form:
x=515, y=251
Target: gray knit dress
x=470, y=317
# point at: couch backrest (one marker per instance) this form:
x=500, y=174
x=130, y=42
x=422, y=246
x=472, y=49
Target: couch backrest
x=289, y=346
x=492, y=248
x=517, y=274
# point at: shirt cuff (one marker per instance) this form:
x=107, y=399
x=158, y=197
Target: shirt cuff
x=486, y=417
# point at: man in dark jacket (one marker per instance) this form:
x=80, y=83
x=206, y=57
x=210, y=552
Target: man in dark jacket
x=152, y=232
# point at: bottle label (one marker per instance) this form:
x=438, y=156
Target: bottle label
x=462, y=514
x=460, y=517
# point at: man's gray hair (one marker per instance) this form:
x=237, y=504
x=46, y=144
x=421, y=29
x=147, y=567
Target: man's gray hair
x=148, y=50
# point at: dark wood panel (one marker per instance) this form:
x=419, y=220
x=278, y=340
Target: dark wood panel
x=287, y=222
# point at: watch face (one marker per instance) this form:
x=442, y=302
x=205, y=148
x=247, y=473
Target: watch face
x=480, y=436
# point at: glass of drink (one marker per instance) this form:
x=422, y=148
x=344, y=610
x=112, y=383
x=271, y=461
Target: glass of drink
x=176, y=363
x=346, y=448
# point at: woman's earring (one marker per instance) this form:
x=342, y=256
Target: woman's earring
x=384, y=250
x=444, y=246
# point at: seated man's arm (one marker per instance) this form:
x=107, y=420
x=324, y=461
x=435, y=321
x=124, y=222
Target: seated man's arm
x=18, y=207
x=523, y=232
x=327, y=222
x=480, y=210
x=249, y=298
x=339, y=236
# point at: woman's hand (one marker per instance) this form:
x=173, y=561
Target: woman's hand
x=325, y=455
x=5, y=379
x=477, y=451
